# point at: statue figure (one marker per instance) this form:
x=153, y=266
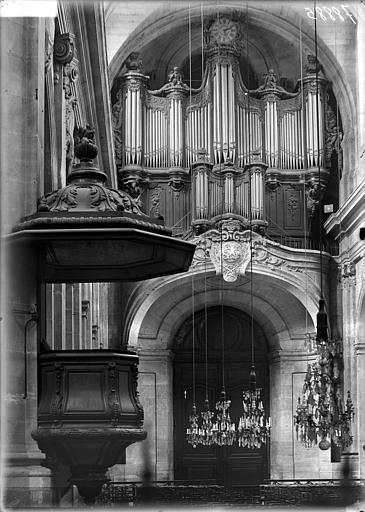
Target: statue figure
x=133, y=62
x=270, y=84
x=176, y=76
x=313, y=66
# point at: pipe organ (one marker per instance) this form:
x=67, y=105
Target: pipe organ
x=245, y=134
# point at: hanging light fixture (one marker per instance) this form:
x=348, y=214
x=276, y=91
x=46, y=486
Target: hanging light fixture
x=224, y=430
x=192, y=431
x=253, y=426
x=195, y=434
x=206, y=431
x=321, y=416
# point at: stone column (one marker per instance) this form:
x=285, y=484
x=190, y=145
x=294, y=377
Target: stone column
x=25, y=482
x=359, y=404
x=351, y=370
x=360, y=35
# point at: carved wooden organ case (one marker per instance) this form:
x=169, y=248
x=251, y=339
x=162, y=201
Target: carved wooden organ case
x=190, y=155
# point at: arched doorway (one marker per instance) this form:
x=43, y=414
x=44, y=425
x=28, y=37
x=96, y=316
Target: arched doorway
x=219, y=465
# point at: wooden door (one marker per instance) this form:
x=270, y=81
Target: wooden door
x=219, y=465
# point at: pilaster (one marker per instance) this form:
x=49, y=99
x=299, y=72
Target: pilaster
x=155, y=384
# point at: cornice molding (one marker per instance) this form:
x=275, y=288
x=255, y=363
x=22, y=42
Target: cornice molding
x=350, y=216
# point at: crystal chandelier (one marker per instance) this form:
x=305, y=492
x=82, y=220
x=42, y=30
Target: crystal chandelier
x=224, y=430
x=192, y=431
x=253, y=426
x=206, y=430
x=321, y=417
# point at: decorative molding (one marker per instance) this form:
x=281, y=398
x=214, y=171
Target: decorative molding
x=229, y=251
x=64, y=48
x=155, y=202
x=57, y=397
x=135, y=394
x=113, y=394
x=293, y=205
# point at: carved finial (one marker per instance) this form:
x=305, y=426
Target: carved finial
x=134, y=63
x=85, y=147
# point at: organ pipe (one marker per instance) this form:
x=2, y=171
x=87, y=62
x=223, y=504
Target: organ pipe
x=165, y=129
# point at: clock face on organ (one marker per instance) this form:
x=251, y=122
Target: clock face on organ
x=224, y=30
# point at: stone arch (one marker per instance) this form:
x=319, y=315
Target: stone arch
x=284, y=23
x=280, y=304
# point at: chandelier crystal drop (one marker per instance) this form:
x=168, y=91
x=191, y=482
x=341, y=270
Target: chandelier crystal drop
x=206, y=428
x=192, y=431
x=254, y=426
x=321, y=417
x=224, y=430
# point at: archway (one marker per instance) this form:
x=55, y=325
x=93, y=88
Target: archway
x=227, y=465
